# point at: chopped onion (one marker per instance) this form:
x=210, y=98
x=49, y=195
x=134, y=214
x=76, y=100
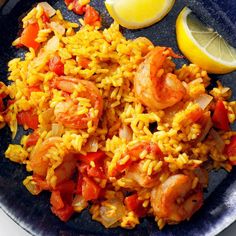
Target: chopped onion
x=206, y=129
x=79, y=203
x=92, y=145
x=111, y=211
x=185, y=84
x=58, y=28
x=32, y=186
x=48, y=8
x=198, y=80
x=225, y=90
x=52, y=45
x=125, y=133
x=57, y=129
x=220, y=145
x=203, y=100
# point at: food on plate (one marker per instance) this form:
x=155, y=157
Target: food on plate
x=136, y=14
x=204, y=46
x=112, y=124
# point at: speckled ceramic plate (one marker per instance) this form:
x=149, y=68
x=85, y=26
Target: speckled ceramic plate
x=33, y=213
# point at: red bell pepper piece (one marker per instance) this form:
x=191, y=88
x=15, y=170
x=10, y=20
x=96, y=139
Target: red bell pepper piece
x=45, y=17
x=84, y=62
x=220, y=116
x=230, y=150
x=79, y=184
x=134, y=204
x=67, y=2
x=78, y=8
x=32, y=139
x=29, y=35
x=28, y=118
x=56, y=200
x=90, y=189
x=91, y=16
x=64, y=213
x=67, y=190
x=55, y=65
x=91, y=156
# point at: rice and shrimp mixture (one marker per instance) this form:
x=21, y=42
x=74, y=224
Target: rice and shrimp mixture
x=114, y=125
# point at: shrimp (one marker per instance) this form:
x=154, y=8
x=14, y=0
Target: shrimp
x=144, y=44
x=133, y=153
x=67, y=112
x=175, y=200
x=41, y=161
x=154, y=87
x=140, y=178
x=135, y=171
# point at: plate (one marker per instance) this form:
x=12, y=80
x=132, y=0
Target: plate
x=33, y=213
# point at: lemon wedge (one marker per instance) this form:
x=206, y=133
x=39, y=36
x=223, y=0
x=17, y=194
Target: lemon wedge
x=202, y=45
x=136, y=14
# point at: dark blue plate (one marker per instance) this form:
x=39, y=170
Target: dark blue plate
x=33, y=213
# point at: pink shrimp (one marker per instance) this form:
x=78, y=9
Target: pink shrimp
x=135, y=170
x=154, y=86
x=66, y=112
x=41, y=161
x=175, y=200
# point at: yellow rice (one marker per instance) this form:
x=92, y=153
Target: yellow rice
x=113, y=63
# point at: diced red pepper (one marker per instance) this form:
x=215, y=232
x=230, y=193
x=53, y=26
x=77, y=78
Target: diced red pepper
x=32, y=139
x=220, y=116
x=10, y=102
x=85, y=167
x=45, y=17
x=29, y=35
x=67, y=190
x=88, y=170
x=56, y=200
x=67, y=2
x=1, y=105
x=91, y=16
x=90, y=189
x=61, y=200
x=34, y=89
x=91, y=156
x=230, y=150
x=64, y=213
x=97, y=171
x=78, y=8
x=134, y=204
x=79, y=184
x=84, y=62
x=28, y=118
x=66, y=187
x=56, y=65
